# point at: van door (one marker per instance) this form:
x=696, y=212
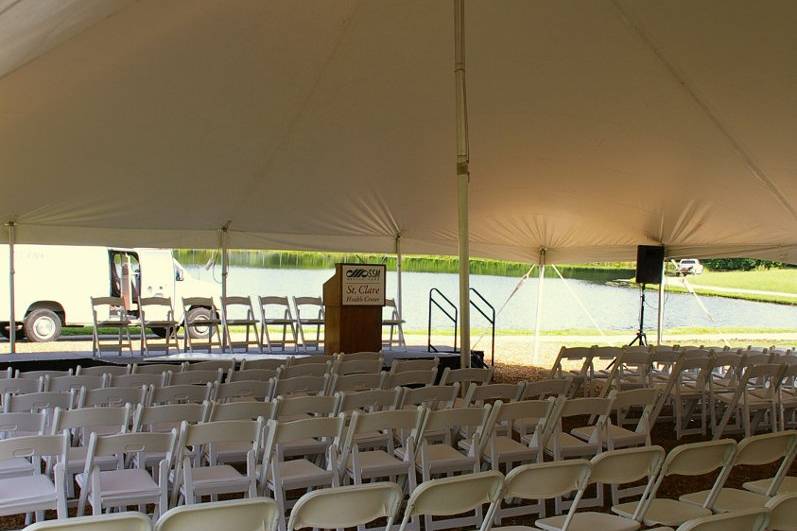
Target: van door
x=157, y=273
x=125, y=278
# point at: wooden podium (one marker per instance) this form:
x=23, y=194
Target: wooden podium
x=353, y=301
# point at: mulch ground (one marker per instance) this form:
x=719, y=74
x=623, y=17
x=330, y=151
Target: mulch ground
x=663, y=435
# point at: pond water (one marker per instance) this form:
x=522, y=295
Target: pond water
x=611, y=305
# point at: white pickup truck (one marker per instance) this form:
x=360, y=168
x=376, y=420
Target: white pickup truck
x=689, y=266
x=54, y=283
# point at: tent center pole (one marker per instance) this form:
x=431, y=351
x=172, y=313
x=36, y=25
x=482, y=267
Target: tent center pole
x=660, y=319
x=12, y=322
x=224, y=271
x=538, y=316
x=463, y=178
x=398, y=277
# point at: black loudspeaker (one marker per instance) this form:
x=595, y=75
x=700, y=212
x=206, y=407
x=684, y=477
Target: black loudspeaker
x=649, y=264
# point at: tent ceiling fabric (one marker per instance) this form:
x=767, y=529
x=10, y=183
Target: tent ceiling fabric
x=329, y=125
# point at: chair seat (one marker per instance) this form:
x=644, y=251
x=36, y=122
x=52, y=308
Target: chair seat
x=618, y=435
x=663, y=511
x=311, y=321
x=788, y=485
x=212, y=477
x=440, y=456
x=589, y=521
x=161, y=324
x=270, y=321
x=303, y=447
x=568, y=445
x=507, y=449
x=300, y=472
x=16, y=466
x=26, y=490
x=377, y=463
x=728, y=500
x=124, y=484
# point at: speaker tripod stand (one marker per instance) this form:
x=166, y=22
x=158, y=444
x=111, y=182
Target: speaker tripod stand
x=641, y=338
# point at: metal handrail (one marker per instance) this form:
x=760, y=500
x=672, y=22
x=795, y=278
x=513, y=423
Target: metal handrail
x=452, y=308
x=490, y=319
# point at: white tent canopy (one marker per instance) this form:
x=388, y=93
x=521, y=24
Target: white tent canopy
x=329, y=125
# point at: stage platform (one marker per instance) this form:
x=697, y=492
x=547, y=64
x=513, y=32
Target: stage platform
x=63, y=360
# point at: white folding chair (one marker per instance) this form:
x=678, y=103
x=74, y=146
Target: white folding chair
x=110, y=312
x=196, y=377
x=757, y=392
x=573, y=362
x=749, y=520
x=156, y=368
x=18, y=386
x=284, y=321
x=315, y=307
x=253, y=514
x=307, y=369
x=431, y=396
x=348, y=367
x=344, y=507
x=613, y=467
x=423, y=377
x=34, y=493
x=695, y=459
x=61, y=384
x=251, y=334
x=112, y=396
x=347, y=402
x=300, y=385
x=180, y=394
x=202, y=324
x=356, y=382
x=783, y=512
x=20, y=425
x=395, y=325
x=127, y=486
x=127, y=521
x=753, y=451
x=164, y=419
x=279, y=476
x=157, y=314
x=101, y=370
x=193, y=480
x=35, y=375
x=454, y=495
x=236, y=452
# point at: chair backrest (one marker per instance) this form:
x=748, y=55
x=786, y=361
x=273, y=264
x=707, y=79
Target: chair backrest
x=743, y=520
x=304, y=405
x=16, y=386
x=402, y=424
x=405, y=365
x=545, y=388
x=196, y=377
x=768, y=448
x=783, y=512
x=432, y=396
x=127, y=521
x=307, y=301
x=309, y=360
x=155, y=308
x=262, y=375
x=99, y=370
x=21, y=424
x=646, y=399
x=244, y=410
x=137, y=380
x=546, y=480
x=628, y=465
x=542, y=412
x=586, y=406
x=307, y=369
x=299, y=385
x=149, y=418
x=572, y=355
x=474, y=421
x=236, y=300
x=466, y=377
x=373, y=400
x=253, y=514
x=267, y=365
x=205, y=302
x=347, y=367
x=357, y=382
x=352, y=356
x=481, y=394
x=350, y=506
x=34, y=446
x=455, y=495
x=37, y=401
x=221, y=432
x=156, y=368
x=244, y=389
x=402, y=379
x=112, y=396
x=129, y=444
x=70, y=383
x=210, y=365
x=269, y=300
x=87, y=418
x=180, y=394
x=35, y=375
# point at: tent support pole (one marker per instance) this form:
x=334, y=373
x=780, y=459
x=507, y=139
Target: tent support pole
x=399, y=294
x=660, y=320
x=538, y=317
x=463, y=179
x=12, y=322
x=224, y=271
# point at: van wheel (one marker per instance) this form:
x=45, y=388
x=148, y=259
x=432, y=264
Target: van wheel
x=198, y=314
x=42, y=325
x=20, y=334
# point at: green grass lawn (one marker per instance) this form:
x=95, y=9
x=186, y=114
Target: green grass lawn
x=784, y=280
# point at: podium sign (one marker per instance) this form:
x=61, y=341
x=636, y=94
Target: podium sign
x=362, y=285
x=353, y=301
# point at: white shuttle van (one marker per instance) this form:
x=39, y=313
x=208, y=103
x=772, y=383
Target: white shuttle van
x=54, y=284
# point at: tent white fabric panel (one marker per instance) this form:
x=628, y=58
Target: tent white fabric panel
x=329, y=125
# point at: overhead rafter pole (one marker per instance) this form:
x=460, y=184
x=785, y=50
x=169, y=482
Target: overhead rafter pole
x=463, y=181
x=12, y=322
x=538, y=317
x=398, y=276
